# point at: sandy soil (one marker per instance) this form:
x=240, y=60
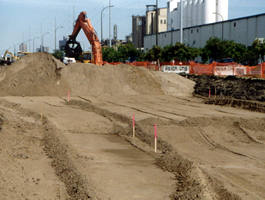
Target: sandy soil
x=83, y=149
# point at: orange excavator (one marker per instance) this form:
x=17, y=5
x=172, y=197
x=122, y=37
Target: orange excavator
x=73, y=48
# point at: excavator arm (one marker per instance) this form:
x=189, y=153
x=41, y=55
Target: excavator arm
x=84, y=23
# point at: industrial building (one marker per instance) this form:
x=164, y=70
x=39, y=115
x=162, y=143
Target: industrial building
x=195, y=12
x=142, y=25
x=242, y=30
x=62, y=43
x=23, y=47
x=139, y=30
x=151, y=19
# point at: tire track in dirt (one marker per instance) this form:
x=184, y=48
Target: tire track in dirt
x=219, y=146
x=188, y=184
x=60, y=153
x=139, y=110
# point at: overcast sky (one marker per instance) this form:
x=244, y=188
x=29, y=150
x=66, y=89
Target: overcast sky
x=21, y=20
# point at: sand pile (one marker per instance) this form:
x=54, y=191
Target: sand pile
x=42, y=75
x=33, y=75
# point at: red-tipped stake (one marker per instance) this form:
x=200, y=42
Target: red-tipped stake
x=155, y=127
x=133, y=121
x=68, y=96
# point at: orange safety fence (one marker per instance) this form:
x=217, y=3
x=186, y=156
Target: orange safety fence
x=200, y=69
x=218, y=69
x=256, y=71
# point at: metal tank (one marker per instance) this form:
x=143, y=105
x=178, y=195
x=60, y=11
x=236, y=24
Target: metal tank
x=189, y=7
x=200, y=11
x=209, y=10
x=194, y=12
x=185, y=13
x=222, y=10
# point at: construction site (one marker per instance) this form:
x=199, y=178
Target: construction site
x=101, y=131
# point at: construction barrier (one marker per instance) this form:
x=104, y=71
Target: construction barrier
x=177, y=69
x=217, y=69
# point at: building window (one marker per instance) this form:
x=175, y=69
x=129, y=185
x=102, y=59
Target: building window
x=165, y=21
x=191, y=31
x=161, y=21
x=197, y=30
x=234, y=24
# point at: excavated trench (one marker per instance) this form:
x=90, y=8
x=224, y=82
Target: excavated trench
x=1, y=122
x=188, y=184
x=245, y=93
x=76, y=186
x=59, y=152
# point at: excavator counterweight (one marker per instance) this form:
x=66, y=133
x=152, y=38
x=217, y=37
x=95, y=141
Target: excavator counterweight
x=73, y=48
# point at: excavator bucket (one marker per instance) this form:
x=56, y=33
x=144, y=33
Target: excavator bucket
x=73, y=49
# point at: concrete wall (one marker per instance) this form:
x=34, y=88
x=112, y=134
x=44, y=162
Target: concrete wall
x=241, y=30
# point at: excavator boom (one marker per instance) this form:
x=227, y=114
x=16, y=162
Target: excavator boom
x=84, y=23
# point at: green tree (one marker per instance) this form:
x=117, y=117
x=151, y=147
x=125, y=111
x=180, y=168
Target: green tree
x=122, y=53
x=154, y=54
x=58, y=54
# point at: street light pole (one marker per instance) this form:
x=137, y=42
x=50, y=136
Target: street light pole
x=216, y=13
x=181, y=21
x=42, y=38
x=34, y=43
x=55, y=31
x=29, y=44
x=156, y=22
x=102, y=21
x=109, y=23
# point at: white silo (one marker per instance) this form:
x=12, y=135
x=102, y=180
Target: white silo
x=209, y=10
x=200, y=12
x=185, y=13
x=194, y=12
x=222, y=10
x=189, y=7
x=178, y=16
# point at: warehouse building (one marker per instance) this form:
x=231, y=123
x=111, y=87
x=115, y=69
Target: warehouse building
x=242, y=30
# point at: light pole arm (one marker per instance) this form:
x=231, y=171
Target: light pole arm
x=101, y=39
x=216, y=13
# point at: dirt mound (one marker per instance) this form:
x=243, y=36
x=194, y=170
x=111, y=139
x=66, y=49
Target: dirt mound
x=41, y=74
x=110, y=80
x=33, y=75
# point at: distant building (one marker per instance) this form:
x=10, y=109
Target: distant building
x=242, y=30
x=23, y=47
x=128, y=38
x=43, y=49
x=115, y=32
x=62, y=43
x=151, y=20
x=195, y=12
x=138, y=30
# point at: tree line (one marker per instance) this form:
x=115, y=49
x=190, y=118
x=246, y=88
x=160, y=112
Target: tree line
x=214, y=50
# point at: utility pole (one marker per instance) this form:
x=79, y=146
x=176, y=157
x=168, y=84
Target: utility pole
x=109, y=23
x=218, y=14
x=34, y=43
x=181, y=21
x=101, y=20
x=55, y=32
x=157, y=22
